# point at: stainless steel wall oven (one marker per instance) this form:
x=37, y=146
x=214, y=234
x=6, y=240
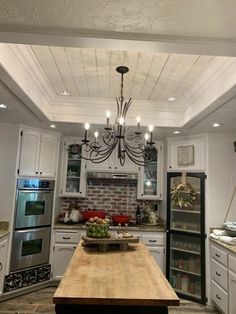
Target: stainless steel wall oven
x=33, y=217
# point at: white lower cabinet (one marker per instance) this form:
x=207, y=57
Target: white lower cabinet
x=155, y=242
x=223, y=278
x=65, y=243
x=232, y=292
x=62, y=256
x=158, y=255
x=3, y=254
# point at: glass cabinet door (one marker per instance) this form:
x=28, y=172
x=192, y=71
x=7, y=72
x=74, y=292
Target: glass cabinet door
x=73, y=172
x=185, y=264
x=150, y=178
x=74, y=179
x=185, y=216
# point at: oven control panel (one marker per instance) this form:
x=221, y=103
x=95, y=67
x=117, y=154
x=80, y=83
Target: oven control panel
x=31, y=184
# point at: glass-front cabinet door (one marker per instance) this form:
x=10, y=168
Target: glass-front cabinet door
x=185, y=264
x=74, y=175
x=150, y=178
x=185, y=207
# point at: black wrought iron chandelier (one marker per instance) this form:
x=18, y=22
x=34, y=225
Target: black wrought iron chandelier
x=130, y=143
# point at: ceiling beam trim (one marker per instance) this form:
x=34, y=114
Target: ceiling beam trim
x=121, y=41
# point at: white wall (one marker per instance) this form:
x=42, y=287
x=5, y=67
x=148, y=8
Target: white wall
x=220, y=183
x=9, y=137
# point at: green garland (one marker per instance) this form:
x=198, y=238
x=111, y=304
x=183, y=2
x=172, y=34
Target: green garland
x=183, y=195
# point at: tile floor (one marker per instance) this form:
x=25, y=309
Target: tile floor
x=41, y=302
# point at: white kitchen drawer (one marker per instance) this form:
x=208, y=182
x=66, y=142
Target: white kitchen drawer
x=219, y=274
x=153, y=240
x=67, y=237
x=219, y=255
x=219, y=296
x=232, y=263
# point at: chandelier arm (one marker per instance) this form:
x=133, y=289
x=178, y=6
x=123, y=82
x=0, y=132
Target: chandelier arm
x=136, y=161
x=135, y=151
x=126, y=107
x=118, y=108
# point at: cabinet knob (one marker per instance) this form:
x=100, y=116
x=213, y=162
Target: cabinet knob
x=170, y=167
x=218, y=297
x=66, y=238
x=115, y=167
x=36, y=172
x=217, y=255
x=109, y=167
x=217, y=274
x=142, y=194
x=41, y=172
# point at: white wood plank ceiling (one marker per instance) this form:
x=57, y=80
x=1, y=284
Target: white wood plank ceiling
x=91, y=72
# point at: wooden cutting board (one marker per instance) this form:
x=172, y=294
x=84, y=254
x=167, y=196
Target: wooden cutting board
x=103, y=243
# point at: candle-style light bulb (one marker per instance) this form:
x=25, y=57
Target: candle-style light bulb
x=96, y=134
x=86, y=126
x=150, y=128
x=146, y=136
x=108, y=114
x=138, y=119
x=121, y=121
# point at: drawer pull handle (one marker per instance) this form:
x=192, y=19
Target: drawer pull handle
x=219, y=298
x=1, y=267
x=217, y=255
x=152, y=241
x=66, y=238
x=218, y=274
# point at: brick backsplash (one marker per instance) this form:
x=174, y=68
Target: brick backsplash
x=111, y=196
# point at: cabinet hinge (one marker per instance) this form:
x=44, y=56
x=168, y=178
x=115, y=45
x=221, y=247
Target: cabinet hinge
x=21, y=133
x=205, y=176
x=160, y=147
x=160, y=195
x=18, y=171
x=64, y=143
x=53, y=247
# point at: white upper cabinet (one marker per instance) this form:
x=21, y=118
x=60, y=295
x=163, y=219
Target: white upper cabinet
x=48, y=155
x=186, y=154
x=38, y=153
x=150, y=177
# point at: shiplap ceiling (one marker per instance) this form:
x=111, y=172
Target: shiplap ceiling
x=91, y=72
x=172, y=50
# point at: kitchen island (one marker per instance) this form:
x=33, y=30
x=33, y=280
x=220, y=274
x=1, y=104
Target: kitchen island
x=114, y=282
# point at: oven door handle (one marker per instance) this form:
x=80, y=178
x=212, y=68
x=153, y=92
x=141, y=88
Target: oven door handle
x=27, y=230
x=36, y=191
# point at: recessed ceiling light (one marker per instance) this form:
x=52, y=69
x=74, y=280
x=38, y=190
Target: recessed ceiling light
x=176, y=132
x=3, y=106
x=171, y=98
x=216, y=125
x=52, y=126
x=65, y=93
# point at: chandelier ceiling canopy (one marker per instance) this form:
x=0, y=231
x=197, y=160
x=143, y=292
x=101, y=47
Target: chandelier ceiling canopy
x=118, y=137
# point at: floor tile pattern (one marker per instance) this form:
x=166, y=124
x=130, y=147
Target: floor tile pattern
x=41, y=302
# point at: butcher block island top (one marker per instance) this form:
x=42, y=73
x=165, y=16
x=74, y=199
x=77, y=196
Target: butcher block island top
x=112, y=280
